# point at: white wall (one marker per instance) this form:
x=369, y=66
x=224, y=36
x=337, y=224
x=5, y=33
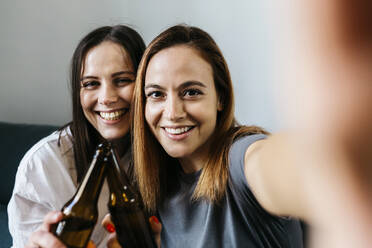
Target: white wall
x=38, y=37
x=36, y=43
x=241, y=29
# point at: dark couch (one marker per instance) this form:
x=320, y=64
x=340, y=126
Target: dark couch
x=15, y=140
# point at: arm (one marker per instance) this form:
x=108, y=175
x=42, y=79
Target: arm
x=315, y=183
x=26, y=210
x=274, y=183
x=321, y=169
x=41, y=174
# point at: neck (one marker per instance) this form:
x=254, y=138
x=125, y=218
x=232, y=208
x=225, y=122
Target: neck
x=190, y=165
x=121, y=146
x=197, y=160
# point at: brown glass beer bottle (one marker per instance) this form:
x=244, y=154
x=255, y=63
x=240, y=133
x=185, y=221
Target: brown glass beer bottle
x=126, y=209
x=80, y=213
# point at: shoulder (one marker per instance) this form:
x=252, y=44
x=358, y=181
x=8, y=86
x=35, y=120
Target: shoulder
x=237, y=154
x=246, y=140
x=51, y=154
x=56, y=144
x=46, y=167
x=243, y=144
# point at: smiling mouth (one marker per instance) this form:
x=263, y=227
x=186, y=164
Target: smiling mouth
x=178, y=130
x=113, y=115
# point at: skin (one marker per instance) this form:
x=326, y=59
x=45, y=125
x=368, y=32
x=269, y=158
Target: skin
x=107, y=88
x=181, y=104
x=325, y=174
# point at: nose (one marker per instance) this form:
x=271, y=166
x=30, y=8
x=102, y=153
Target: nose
x=174, y=108
x=108, y=94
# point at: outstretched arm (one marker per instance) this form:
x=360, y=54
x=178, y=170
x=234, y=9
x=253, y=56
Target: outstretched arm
x=321, y=169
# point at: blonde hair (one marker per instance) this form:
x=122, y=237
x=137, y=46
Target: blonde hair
x=154, y=168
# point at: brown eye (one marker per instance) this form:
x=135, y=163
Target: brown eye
x=123, y=81
x=90, y=84
x=192, y=92
x=155, y=94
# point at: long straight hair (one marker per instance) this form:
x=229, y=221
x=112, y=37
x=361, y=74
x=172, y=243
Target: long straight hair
x=85, y=136
x=154, y=168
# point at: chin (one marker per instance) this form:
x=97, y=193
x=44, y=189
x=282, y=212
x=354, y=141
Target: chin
x=113, y=136
x=176, y=154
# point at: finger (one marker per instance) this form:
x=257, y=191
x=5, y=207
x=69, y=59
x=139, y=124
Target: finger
x=91, y=244
x=112, y=241
x=155, y=225
x=107, y=223
x=50, y=219
x=44, y=239
x=156, y=228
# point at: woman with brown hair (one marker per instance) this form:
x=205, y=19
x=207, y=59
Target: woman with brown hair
x=195, y=166
x=214, y=183
x=103, y=71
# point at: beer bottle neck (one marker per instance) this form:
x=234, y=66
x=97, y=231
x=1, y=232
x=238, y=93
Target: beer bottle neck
x=118, y=182
x=91, y=185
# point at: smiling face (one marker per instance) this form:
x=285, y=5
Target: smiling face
x=181, y=102
x=106, y=89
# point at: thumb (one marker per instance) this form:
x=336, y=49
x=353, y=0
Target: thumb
x=156, y=228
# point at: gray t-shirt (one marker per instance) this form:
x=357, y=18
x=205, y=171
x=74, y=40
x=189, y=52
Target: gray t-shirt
x=237, y=221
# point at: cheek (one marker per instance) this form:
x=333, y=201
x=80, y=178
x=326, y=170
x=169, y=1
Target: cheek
x=85, y=100
x=148, y=114
x=203, y=113
x=126, y=93
x=152, y=114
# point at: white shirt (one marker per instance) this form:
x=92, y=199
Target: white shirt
x=45, y=181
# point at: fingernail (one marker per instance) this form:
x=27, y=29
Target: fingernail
x=153, y=218
x=110, y=228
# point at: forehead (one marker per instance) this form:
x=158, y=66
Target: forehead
x=106, y=56
x=176, y=64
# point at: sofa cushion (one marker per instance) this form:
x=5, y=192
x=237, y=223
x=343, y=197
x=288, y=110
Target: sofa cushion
x=15, y=140
x=5, y=237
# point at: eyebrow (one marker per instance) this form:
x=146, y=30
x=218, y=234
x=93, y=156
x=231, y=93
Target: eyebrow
x=122, y=72
x=182, y=86
x=112, y=75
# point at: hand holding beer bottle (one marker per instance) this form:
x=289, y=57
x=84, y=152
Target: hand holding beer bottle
x=112, y=241
x=126, y=209
x=80, y=213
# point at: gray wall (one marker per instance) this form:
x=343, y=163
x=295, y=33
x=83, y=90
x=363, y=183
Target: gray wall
x=38, y=37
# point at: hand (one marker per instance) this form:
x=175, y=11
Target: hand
x=156, y=229
x=113, y=242
x=43, y=236
x=327, y=74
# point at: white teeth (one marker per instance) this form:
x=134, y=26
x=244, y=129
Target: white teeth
x=177, y=130
x=110, y=116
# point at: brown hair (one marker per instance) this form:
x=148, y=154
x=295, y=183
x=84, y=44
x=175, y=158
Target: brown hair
x=154, y=168
x=85, y=136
